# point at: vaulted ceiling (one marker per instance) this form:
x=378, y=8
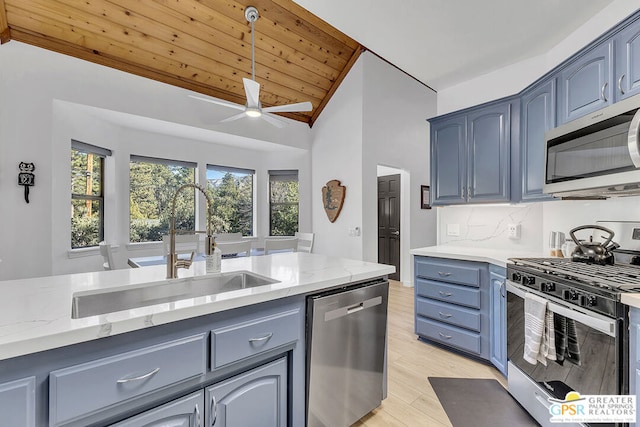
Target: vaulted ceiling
x=200, y=45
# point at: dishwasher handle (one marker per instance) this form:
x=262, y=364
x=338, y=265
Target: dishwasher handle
x=351, y=309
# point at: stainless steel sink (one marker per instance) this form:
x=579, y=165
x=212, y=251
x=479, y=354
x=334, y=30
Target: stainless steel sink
x=91, y=303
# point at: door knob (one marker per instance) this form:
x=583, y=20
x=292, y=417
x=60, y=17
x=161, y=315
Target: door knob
x=395, y=233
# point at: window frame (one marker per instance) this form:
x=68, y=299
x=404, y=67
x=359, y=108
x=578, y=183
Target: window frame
x=283, y=173
x=102, y=153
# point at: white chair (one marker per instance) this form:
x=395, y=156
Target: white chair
x=228, y=237
x=280, y=245
x=235, y=248
x=107, y=254
x=305, y=241
x=185, y=244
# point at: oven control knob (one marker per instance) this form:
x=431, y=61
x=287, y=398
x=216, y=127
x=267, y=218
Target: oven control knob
x=570, y=295
x=547, y=287
x=528, y=280
x=517, y=277
x=588, y=300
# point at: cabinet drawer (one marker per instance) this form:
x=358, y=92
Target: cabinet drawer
x=236, y=342
x=449, y=313
x=456, y=294
x=82, y=389
x=449, y=335
x=447, y=271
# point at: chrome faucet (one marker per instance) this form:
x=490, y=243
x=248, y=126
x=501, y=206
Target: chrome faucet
x=173, y=263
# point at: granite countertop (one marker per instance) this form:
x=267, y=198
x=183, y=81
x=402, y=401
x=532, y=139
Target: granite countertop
x=35, y=314
x=493, y=256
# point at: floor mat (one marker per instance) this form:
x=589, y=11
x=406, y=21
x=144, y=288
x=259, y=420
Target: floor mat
x=479, y=403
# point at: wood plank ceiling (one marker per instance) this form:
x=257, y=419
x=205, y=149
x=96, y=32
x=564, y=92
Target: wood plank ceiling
x=200, y=45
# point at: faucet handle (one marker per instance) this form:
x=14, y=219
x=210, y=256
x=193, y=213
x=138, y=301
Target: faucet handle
x=183, y=263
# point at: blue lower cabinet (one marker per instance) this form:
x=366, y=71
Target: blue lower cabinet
x=255, y=398
x=454, y=309
x=18, y=403
x=184, y=412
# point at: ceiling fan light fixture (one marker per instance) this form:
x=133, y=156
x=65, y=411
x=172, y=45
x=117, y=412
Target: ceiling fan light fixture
x=253, y=112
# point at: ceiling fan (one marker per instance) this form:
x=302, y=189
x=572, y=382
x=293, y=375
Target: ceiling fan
x=253, y=107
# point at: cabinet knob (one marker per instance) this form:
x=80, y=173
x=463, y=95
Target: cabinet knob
x=620, y=84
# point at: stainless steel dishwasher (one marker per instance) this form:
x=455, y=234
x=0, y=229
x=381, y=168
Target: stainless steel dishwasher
x=346, y=353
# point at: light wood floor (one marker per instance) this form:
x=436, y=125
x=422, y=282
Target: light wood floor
x=411, y=400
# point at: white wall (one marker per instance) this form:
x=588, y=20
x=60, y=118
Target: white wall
x=512, y=79
x=336, y=153
x=38, y=92
x=377, y=117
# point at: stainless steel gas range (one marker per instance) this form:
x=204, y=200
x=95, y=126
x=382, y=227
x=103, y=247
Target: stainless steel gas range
x=591, y=334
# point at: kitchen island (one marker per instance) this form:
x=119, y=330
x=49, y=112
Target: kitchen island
x=49, y=361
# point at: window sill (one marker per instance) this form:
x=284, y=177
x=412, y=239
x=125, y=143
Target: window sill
x=85, y=252
x=143, y=246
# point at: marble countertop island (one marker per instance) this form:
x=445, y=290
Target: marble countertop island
x=35, y=314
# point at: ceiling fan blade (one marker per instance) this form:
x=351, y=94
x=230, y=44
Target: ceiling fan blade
x=300, y=106
x=273, y=120
x=252, y=89
x=219, y=102
x=234, y=117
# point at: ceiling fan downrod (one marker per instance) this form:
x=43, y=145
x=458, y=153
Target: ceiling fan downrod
x=251, y=14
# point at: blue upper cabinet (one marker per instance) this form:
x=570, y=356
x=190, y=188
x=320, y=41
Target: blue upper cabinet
x=448, y=160
x=489, y=139
x=627, y=54
x=537, y=115
x=584, y=84
x=470, y=156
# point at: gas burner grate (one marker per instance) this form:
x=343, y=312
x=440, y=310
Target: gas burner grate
x=620, y=277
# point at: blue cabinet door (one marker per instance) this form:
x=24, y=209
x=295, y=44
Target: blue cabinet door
x=627, y=70
x=584, y=84
x=255, y=398
x=448, y=160
x=18, y=403
x=488, y=151
x=187, y=411
x=538, y=115
x=498, y=353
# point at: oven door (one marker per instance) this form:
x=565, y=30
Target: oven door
x=592, y=362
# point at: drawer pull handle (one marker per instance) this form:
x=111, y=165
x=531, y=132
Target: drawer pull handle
x=444, y=273
x=444, y=316
x=214, y=410
x=141, y=377
x=445, y=294
x=264, y=338
x=447, y=337
x=196, y=413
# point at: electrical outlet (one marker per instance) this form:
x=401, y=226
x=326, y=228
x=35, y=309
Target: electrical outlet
x=453, y=229
x=514, y=231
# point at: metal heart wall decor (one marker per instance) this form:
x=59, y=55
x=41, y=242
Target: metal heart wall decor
x=333, y=198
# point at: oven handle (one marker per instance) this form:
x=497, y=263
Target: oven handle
x=592, y=320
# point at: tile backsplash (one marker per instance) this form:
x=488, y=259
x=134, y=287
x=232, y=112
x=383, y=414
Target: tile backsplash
x=487, y=226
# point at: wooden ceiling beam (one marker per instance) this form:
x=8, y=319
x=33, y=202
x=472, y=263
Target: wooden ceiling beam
x=5, y=32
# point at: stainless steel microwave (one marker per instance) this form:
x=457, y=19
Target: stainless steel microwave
x=596, y=155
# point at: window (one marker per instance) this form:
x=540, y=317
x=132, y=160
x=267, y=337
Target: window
x=152, y=185
x=231, y=190
x=283, y=203
x=87, y=194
